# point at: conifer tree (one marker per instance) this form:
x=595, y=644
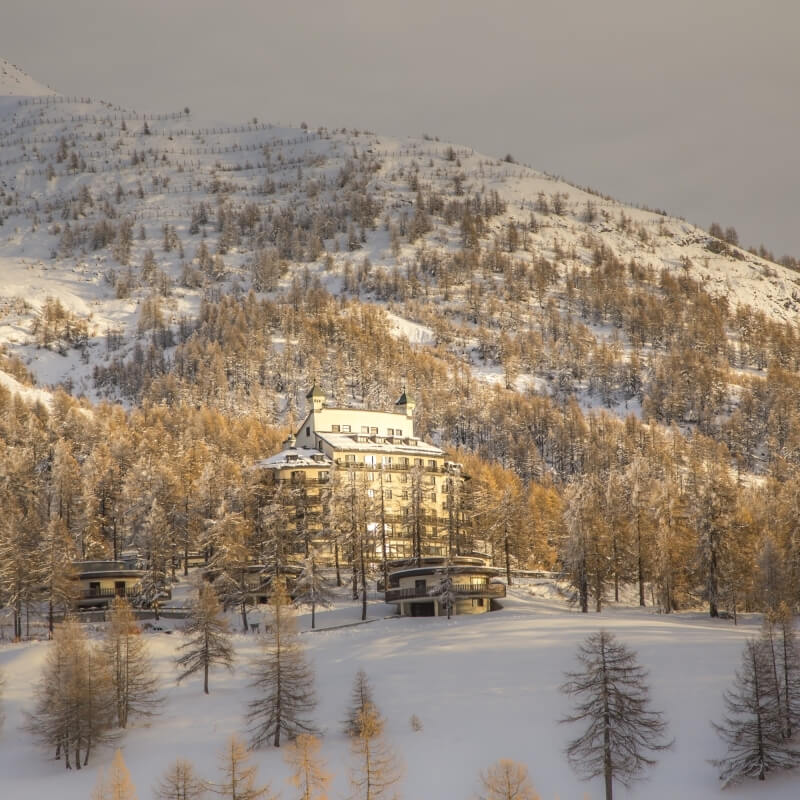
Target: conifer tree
x=180, y=782
x=376, y=769
x=206, y=637
x=311, y=587
x=361, y=699
x=125, y=652
x=118, y=785
x=74, y=705
x=612, y=699
x=507, y=780
x=282, y=677
x=753, y=727
x=240, y=777
x=54, y=570
x=308, y=770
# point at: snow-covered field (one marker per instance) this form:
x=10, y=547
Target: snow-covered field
x=485, y=687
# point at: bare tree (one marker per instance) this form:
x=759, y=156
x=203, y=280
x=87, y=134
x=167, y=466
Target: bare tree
x=612, y=698
x=308, y=770
x=207, y=640
x=753, y=727
x=507, y=780
x=74, y=705
x=282, y=677
x=135, y=687
x=376, y=769
x=311, y=587
x=180, y=782
x=240, y=777
x=361, y=700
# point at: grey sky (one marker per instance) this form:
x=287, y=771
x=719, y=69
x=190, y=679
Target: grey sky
x=688, y=105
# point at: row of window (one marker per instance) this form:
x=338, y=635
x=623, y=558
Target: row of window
x=372, y=431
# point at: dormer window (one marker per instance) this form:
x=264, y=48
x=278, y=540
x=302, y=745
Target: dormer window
x=291, y=457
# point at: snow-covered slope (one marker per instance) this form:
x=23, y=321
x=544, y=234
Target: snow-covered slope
x=76, y=164
x=484, y=687
x=16, y=83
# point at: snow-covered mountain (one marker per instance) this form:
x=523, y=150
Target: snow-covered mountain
x=73, y=169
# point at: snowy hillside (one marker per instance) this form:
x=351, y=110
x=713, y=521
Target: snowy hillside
x=16, y=83
x=484, y=687
x=73, y=170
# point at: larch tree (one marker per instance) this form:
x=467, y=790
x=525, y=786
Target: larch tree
x=155, y=543
x=74, y=707
x=55, y=573
x=361, y=699
x=239, y=781
x=612, y=700
x=180, y=782
x=507, y=780
x=118, y=785
x=282, y=677
x=376, y=769
x=311, y=586
x=126, y=656
x=206, y=638
x=308, y=769
x=753, y=727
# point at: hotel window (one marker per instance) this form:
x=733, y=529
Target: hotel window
x=390, y=431
x=349, y=458
x=398, y=432
x=345, y=429
x=387, y=493
x=335, y=428
x=373, y=431
x=387, y=461
x=388, y=477
x=418, y=462
x=432, y=463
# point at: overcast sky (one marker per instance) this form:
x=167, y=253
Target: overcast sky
x=688, y=105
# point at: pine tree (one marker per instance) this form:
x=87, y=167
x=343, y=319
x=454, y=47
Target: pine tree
x=311, y=587
x=180, y=782
x=308, y=770
x=207, y=641
x=282, y=678
x=118, y=785
x=376, y=769
x=507, y=780
x=135, y=687
x=361, y=700
x=753, y=727
x=74, y=704
x=240, y=777
x=612, y=698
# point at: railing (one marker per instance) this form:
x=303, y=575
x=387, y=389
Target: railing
x=463, y=589
x=101, y=594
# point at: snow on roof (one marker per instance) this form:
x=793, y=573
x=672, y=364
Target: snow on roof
x=295, y=457
x=394, y=444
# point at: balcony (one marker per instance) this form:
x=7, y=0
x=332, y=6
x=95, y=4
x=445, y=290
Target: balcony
x=109, y=593
x=491, y=590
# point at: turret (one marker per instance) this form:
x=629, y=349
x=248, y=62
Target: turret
x=317, y=398
x=405, y=405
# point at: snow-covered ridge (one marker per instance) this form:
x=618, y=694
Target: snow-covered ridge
x=16, y=83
